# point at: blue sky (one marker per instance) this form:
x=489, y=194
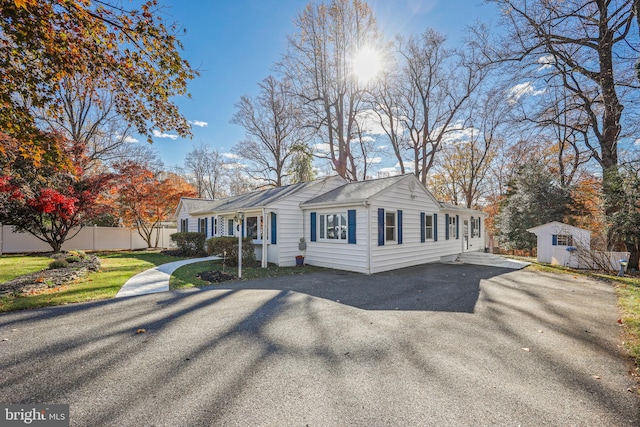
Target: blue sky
x=234, y=44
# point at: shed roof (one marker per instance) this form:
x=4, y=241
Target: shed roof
x=555, y=224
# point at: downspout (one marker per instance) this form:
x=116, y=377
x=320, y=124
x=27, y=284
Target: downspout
x=368, y=206
x=265, y=227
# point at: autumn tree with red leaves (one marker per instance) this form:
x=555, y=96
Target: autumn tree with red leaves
x=51, y=202
x=144, y=199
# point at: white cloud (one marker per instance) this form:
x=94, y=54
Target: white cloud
x=375, y=160
x=322, y=148
x=159, y=134
x=130, y=139
x=636, y=142
x=519, y=90
x=546, y=61
x=235, y=165
x=199, y=123
x=231, y=156
x=385, y=172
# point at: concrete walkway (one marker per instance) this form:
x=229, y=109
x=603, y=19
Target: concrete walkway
x=491, y=260
x=155, y=279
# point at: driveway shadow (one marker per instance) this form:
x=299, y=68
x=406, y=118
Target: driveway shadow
x=429, y=287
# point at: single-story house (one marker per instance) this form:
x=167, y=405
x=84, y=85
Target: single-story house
x=364, y=226
x=562, y=244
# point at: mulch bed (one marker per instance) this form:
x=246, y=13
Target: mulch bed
x=44, y=279
x=215, y=276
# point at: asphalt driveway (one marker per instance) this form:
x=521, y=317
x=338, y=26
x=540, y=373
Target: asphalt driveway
x=434, y=345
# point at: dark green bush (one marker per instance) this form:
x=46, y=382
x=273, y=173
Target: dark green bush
x=72, y=258
x=189, y=243
x=58, y=263
x=219, y=245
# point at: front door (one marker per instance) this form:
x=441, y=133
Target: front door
x=465, y=235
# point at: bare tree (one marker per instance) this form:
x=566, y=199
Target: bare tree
x=587, y=46
x=273, y=127
x=204, y=169
x=419, y=106
x=318, y=61
x=463, y=168
x=87, y=114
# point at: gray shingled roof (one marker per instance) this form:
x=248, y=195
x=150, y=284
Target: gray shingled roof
x=354, y=192
x=253, y=200
x=196, y=205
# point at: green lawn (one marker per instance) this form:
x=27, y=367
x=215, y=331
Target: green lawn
x=116, y=268
x=12, y=266
x=185, y=277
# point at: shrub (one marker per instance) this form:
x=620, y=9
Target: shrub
x=72, y=258
x=58, y=263
x=189, y=243
x=218, y=245
x=79, y=254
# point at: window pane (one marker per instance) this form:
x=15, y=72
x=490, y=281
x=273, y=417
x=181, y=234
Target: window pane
x=390, y=226
x=343, y=226
x=428, y=227
x=252, y=227
x=322, y=230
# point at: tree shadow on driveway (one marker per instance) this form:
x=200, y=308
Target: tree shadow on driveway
x=429, y=287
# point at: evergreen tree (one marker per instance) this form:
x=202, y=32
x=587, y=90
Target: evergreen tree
x=534, y=198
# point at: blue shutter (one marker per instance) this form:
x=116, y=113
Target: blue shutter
x=213, y=226
x=554, y=240
x=273, y=228
x=446, y=226
x=479, y=225
x=399, y=227
x=435, y=227
x=206, y=226
x=351, y=220
x=457, y=226
x=313, y=227
x=422, y=225
x=380, y=227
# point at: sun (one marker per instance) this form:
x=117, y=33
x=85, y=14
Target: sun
x=367, y=64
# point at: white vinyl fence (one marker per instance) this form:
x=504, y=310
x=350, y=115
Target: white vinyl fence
x=88, y=239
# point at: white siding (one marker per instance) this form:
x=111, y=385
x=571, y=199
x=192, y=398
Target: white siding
x=339, y=254
x=412, y=251
x=292, y=224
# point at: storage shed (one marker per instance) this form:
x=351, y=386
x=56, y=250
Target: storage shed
x=562, y=244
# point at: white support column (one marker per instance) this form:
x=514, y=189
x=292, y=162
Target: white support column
x=265, y=226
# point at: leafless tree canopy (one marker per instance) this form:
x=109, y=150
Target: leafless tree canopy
x=318, y=62
x=273, y=126
x=205, y=170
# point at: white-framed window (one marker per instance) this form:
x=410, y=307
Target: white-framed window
x=202, y=225
x=452, y=227
x=230, y=227
x=565, y=240
x=333, y=226
x=428, y=227
x=390, y=226
x=254, y=227
x=184, y=225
